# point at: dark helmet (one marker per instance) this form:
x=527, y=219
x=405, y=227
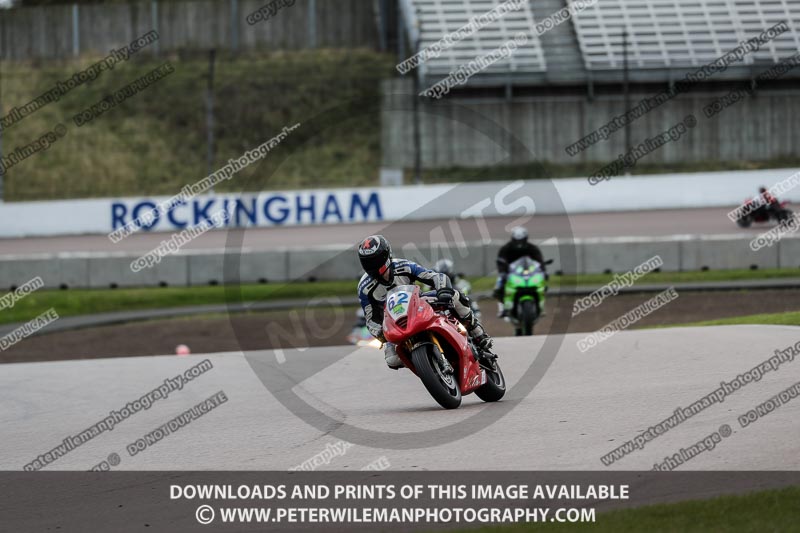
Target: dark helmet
x=445, y=266
x=762, y=189
x=375, y=255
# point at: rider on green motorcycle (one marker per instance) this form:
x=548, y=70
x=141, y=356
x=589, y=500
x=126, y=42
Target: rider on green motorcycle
x=516, y=248
x=525, y=293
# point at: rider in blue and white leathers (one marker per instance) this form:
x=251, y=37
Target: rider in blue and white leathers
x=383, y=272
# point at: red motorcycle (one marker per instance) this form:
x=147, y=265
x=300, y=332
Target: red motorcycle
x=777, y=211
x=434, y=345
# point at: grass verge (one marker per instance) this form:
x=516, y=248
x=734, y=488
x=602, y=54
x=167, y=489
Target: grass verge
x=89, y=301
x=775, y=319
x=772, y=510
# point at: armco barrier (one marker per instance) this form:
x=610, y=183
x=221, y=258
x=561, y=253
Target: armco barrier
x=490, y=256
x=114, y=270
x=208, y=268
x=16, y=270
x=789, y=253
x=101, y=270
x=468, y=259
x=550, y=250
x=621, y=255
x=73, y=270
x=259, y=267
x=215, y=267
x=324, y=263
x=724, y=252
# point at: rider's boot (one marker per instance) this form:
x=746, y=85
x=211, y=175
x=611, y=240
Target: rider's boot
x=501, y=310
x=393, y=361
x=479, y=336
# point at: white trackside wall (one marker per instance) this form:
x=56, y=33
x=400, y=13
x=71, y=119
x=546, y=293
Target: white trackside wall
x=374, y=204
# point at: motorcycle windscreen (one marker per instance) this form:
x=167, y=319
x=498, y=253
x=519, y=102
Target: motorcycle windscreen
x=398, y=300
x=524, y=265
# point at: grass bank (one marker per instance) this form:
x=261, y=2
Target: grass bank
x=775, y=319
x=154, y=142
x=773, y=510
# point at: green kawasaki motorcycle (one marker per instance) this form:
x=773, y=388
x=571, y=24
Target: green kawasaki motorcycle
x=524, y=296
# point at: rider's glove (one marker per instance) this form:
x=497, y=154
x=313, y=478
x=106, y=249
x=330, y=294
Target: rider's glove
x=445, y=295
x=498, y=294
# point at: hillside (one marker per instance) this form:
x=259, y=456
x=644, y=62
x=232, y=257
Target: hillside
x=155, y=141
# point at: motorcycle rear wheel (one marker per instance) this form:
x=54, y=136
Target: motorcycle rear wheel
x=443, y=388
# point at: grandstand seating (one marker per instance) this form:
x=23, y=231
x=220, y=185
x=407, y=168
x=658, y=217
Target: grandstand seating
x=682, y=33
x=666, y=38
x=431, y=19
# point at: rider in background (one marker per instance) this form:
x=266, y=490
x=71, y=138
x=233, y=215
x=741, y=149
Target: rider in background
x=383, y=272
x=517, y=247
x=764, y=201
x=464, y=287
x=361, y=320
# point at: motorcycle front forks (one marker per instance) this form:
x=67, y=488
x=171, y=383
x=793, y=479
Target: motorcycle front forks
x=443, y=362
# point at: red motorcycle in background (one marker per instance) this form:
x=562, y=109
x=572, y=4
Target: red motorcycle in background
x=777, y=211
x=434, y=345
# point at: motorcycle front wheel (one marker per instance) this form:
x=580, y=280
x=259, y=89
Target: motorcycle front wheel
x=527, y=316
x=442, y=386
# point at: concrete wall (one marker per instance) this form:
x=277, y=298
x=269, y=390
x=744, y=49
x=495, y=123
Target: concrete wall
x=617, y=255
x=412, y=202
x=759, y=128
x=47, y=31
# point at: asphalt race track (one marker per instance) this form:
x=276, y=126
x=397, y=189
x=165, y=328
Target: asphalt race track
x=586, y=405
x=616, y=224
